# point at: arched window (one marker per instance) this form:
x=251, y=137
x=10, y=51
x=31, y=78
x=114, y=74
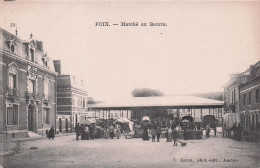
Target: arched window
x=12, y=48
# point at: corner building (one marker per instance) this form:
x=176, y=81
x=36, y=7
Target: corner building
x=250, y=100
x=27, y=87
x=71, y=100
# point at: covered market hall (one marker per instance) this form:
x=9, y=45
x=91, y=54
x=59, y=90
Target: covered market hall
x=158, y=107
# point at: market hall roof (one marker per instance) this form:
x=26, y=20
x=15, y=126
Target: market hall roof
x=160, y=101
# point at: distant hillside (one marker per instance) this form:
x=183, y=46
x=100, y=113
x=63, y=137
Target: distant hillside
x=211, y=95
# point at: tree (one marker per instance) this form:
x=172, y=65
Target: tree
x=211, y=95
x=145, y=92
x=91, y=100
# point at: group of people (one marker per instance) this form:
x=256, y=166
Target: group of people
x=114, y=130
x=89, y=131
x=85, y=131
x=156, y=131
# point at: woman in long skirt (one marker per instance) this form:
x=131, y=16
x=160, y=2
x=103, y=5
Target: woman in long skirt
x=145, y=134
x=117, y=131
x=111, y=132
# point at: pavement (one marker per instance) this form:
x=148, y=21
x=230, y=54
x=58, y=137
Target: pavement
x=65, y=151
x=8, y=147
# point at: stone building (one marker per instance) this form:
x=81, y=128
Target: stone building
x=250, y=99
x=231, y=92
x=71, y=100
x=27, y=87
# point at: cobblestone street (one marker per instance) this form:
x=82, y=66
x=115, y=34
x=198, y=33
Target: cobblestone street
x=67, y=152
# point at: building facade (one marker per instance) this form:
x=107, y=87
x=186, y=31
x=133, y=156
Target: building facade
x=71, y=101
x=250, y=99
x=231, y=94
x=27, y=87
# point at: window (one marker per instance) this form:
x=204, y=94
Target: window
x=12, y=48
x=249, y=97
x=12, y=81
x=111, y=115
x=31, y=86
x=46, y=90
x=46, y=116
x=234, y=95
x=32, y=55
x=12, y=115
x=84, y=103
x=244, y=100
x=231, y=96
x=75, y=100
x=79, y=103
x=116, y=115
x=257, y=95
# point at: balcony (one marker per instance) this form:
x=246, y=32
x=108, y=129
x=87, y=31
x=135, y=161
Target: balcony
x=32, y=96
x=13, y=92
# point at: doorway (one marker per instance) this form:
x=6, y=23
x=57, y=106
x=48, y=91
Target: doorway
x=67, y=125
x=60, y=125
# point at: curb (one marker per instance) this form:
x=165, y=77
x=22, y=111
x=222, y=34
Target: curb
x=6, y=154
x=41, y=137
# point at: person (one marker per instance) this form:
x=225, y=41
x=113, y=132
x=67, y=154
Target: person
x=111, y=131
x=145, y=133
x=82, y=132
x=153, y=133
x=166, y=134
x=215, y=129
x=239, y=132
x=51, y=133
x=106, y=132
x=92, y=131
x=117, y=131
x=198, y=126
x=77, y=130
x=170, y=134
x=207, y=130
x=174, y=137
x=158, y=133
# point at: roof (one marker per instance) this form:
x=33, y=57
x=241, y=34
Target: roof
x=162, y=101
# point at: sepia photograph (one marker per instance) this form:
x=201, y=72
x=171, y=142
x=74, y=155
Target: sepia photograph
x=129, y=84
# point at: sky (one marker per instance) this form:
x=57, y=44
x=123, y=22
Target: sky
x=202, y=44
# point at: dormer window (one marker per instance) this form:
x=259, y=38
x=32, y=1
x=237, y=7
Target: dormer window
x=32, y=55
x=12, y=48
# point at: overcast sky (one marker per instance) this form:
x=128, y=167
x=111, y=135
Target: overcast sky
x=202, y=44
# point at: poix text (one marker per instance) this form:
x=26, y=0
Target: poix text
x=130, y=24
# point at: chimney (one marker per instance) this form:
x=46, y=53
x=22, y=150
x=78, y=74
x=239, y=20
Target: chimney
x=57, y=66
x=233, y=76
x=252, y=71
